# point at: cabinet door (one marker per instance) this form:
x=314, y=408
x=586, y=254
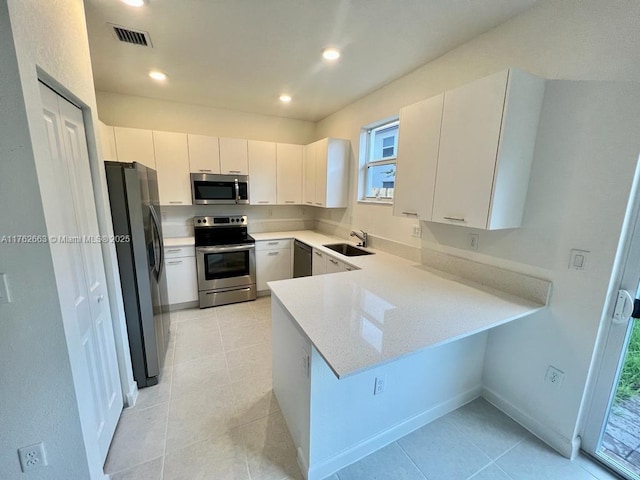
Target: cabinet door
x=471, y=121
x=108, y=142
x=182, y=280
x=172, y=160
x=272, y=265
x=204, y=154
x=318, y=263
x=334, y=265
x=334, y=184
x=262, y=172
x=309, y=172
x=234, y=156
x=417, y=158
x=135, y=145
x=289, y=174
x=322, y=152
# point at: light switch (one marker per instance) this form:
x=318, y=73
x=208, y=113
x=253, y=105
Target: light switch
x=5, y=296
x=579, y=259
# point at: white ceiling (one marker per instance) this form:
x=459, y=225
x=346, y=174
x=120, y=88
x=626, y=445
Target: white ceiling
x=241, y=54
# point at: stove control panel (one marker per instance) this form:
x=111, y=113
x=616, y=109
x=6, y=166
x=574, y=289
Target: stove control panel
x=221, y=221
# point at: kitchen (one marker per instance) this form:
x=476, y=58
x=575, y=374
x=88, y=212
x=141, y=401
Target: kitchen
x=556, y=217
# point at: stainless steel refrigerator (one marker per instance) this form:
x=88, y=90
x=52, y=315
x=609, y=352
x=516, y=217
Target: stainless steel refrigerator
x=133, y=194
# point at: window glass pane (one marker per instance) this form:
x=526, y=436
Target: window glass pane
x=384, y=143
x=381, y=181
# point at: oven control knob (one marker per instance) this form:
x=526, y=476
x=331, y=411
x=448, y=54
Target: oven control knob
x=199, y=221
x=204, y=221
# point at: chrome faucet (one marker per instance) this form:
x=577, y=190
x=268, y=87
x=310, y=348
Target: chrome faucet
x=362, y=237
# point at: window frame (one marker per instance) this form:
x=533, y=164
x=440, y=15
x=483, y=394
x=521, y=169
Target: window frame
x=367, y=138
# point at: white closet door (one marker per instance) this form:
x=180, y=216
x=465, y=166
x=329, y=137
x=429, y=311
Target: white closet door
x=80, y=274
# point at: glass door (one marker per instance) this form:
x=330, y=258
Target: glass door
x=611, y=432
x=620, y=445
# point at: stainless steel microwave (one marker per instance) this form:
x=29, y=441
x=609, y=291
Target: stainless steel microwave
x=212, y=189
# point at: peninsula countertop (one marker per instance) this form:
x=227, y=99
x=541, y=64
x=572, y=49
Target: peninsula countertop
x=388, y=309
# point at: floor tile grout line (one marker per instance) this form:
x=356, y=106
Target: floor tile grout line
x=166, y=426
x=131, y=467
x=410, y=459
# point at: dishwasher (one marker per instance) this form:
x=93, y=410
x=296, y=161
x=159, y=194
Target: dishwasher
x=301, y=260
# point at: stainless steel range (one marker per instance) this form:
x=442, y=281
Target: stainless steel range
x=226, y=260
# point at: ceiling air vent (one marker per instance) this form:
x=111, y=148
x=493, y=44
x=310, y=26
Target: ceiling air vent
x=135, y=37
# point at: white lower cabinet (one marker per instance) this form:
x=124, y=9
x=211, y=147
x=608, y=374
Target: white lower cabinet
x=324, y=263
x=318, y=262
x=182, y=279
x=273, y=262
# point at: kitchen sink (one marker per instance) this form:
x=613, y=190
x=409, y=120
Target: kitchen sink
x=347, y=250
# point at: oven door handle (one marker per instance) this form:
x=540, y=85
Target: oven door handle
x=225, y=249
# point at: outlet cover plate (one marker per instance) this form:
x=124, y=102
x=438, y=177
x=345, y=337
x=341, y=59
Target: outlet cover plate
x=554, y=376
x=32, y=457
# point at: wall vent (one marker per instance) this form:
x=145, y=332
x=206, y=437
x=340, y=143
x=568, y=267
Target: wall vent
x=135, y=37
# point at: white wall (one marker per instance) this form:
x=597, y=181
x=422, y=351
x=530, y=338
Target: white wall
x=139, y=112
x=577, y=198
x=46, y=39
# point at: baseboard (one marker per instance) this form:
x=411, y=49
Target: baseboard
x=564, y=446
x=131, y=396
x=304, y=468
x=370, y=445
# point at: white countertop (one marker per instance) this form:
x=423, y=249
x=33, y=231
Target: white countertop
x=178, y=241
x=390, y=308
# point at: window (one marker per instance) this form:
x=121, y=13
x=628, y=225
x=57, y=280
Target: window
x=380, y=167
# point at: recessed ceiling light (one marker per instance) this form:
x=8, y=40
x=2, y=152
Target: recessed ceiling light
x=331, y=53
x=156, y=75
x=134, y=3
x=284, y=98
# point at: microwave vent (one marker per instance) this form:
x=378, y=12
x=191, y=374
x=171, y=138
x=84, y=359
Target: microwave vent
x=135, y=37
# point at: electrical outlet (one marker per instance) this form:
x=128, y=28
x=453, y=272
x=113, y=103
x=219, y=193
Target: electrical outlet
x=380, y=384
x=554, y=376
x=472, y=241
x=32, y=457
x=417, y=231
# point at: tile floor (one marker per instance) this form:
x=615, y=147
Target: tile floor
x=213, y=416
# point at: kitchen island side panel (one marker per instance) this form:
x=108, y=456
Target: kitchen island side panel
x=334, y=422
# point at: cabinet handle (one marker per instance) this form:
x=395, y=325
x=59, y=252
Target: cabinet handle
x=348, y=269
x=413, y=214
x=204, y=170
x=173, y=250
x=234, y=171
x=318, y=203
x=289, y=201
x=274, y=253
x=175, y=262
x=175, y=202
x=263, y=201
x=455, y=219
x=310, y=203
x=318, y=253
x=335, y=262
x=273, y=243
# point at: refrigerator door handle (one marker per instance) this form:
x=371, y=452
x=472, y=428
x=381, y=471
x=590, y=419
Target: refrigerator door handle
x=156, y=226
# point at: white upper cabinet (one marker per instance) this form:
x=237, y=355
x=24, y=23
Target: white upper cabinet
x=108, y=142
x=262, y=172
x=234, y=156
x=326, y=173
x=486, y=147
x=289, y=173
x=135, y=145
x=172, y=160
x=309, y=173
x=204, y=154
x=417, y=160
